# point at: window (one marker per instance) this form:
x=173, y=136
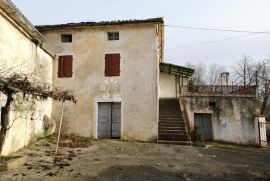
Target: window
x=65, y=66
x=113, y=35
x=66, y=38
x=212, y=104
x=112, y=65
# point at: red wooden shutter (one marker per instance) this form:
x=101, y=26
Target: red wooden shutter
x=68, y=65
x=60, y=66
x=112, y=65
x=108, y=64
x=116, y=65
x=65, y=66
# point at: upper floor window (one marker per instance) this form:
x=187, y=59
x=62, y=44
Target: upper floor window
x=66, y=38
x=65, y=66
x=113, y=35
x=112, y=64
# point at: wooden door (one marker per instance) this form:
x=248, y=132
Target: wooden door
x=203, y=122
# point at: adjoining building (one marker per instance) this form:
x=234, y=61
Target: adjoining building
x=22, y=51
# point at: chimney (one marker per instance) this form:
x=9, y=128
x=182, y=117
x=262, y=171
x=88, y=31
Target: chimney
x=225, y=78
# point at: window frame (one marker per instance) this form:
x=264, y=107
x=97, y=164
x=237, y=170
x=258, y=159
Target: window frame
x=68, y=36
x=114, y=37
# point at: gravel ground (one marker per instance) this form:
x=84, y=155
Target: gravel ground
x=116, y=160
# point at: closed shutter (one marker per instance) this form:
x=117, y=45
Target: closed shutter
x=65, y=66
x=60, y=66
x=112, y=65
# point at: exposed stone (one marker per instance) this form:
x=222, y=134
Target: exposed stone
x=49, y=125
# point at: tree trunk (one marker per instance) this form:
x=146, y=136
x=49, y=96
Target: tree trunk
x=5, y=121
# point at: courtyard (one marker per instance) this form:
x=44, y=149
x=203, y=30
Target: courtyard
x=119, y=160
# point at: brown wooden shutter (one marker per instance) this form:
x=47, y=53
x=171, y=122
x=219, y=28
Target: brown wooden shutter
x=112, y=65
x=68, y=66
x=65, y=66
x=116, y=65
x=60, y=67
x=108, y=64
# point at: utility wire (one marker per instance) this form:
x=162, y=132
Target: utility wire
x=217, y=29
x=210, y=42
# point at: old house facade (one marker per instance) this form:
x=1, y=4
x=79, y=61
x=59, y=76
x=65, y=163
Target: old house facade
x=113, y=70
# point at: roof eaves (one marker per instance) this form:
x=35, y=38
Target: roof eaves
x=102, y=23
x=176, y=70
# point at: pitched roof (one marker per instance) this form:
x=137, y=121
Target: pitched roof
x=101, y=23
x=177, y=70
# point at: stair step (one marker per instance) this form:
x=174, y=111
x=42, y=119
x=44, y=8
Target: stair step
x=172, y=137
x=171, y=118
x=171, y=115
x=171, y=123
x=175, y=132
x=175, y=142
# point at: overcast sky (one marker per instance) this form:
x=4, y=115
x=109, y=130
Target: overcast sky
x=181, y=45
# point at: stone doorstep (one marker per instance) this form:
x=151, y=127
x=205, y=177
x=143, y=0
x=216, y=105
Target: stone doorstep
x=13, y=164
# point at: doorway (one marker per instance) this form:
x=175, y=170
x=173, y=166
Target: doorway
x=109, y=120
x=203, y=122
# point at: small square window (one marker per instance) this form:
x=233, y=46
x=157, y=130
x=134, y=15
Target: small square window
x=212, y=104
x=113, y=36
x=66, y=38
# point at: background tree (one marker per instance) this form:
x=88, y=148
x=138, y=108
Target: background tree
x=213, y=74
x=249, y=72
x=206, y=74
x=198, y=77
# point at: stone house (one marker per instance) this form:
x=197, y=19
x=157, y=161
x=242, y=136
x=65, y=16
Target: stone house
x=113, y=70
x=123, y=88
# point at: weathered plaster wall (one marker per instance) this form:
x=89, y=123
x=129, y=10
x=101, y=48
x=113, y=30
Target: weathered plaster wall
x=233, y=120
x=136, y=88
x=20, y=54
x=167, y=85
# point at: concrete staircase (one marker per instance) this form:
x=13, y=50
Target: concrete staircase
x=171, y=126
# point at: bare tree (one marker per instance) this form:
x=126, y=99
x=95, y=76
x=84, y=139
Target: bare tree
x=12, y=84
x=263, y=81
x=198, y=77
x=213, y=74
x=206, y=74
x=245, y=71
x=249, y=72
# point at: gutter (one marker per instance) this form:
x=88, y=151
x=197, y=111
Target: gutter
x=14, y=13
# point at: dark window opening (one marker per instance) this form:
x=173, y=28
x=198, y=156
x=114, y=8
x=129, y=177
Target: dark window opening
x=66, y=38
x=112, y=65
x=212, y=104
x=65, y=66
x=113, y=35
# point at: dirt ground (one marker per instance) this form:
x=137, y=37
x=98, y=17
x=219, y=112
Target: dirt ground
x=116, y=160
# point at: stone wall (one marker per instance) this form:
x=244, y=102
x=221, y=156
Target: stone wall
x=19, y=54
x=233, y=118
